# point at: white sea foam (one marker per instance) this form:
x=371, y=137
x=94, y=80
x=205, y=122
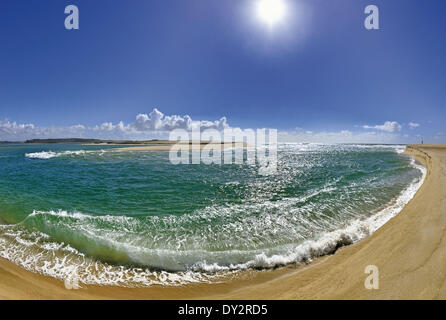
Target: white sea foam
x=41, y=155
x=328, y=242
x=51, y=154
x=61, y=261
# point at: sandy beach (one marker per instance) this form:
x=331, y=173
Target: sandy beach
x=409, y=251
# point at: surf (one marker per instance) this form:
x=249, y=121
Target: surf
x=202, y=223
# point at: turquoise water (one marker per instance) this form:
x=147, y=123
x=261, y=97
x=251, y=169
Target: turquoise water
x=135, y=219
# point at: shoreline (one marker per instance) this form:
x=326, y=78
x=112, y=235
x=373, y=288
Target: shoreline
x=398, y=249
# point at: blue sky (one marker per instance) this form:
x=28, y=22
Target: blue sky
x=317, y=76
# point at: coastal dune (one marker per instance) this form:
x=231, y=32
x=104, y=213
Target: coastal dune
x=409, y=252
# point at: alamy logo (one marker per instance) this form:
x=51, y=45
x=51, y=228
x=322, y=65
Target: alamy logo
x=72, y=281
x=232, y=146
x=372, y=20
x=372, y=281
x=370, y=23
x=72, y=20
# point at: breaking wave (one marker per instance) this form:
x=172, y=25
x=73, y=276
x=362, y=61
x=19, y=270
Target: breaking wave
x=50, y=154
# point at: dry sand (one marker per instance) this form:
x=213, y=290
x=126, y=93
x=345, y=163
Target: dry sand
x=410, y=252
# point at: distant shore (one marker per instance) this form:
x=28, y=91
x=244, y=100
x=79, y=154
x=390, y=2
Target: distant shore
x=409, y=251
x=167, y=146
x=135, y=145
x=99, y=142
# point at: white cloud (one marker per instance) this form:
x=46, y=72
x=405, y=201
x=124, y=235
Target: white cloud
x=388, y=126
x=109, y=126
x=413, y=125
x=156, y=125
x=12, y=131
x=157, y=121
x=78, y=126
x=7, y=127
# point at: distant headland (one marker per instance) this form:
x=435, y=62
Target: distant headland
x=106, y=142
x=87, y=141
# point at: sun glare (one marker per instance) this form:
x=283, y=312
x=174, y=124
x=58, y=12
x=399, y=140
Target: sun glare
x=271, y=11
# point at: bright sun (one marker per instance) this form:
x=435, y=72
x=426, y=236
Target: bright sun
x=271, y=11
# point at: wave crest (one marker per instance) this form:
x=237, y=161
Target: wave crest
x=51, y=154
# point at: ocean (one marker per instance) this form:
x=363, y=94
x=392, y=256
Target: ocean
x=134, y=219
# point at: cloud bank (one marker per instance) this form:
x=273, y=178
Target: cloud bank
x=156, y=125
x=146, y=126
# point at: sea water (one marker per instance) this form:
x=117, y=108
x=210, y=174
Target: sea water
x=134, y=219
